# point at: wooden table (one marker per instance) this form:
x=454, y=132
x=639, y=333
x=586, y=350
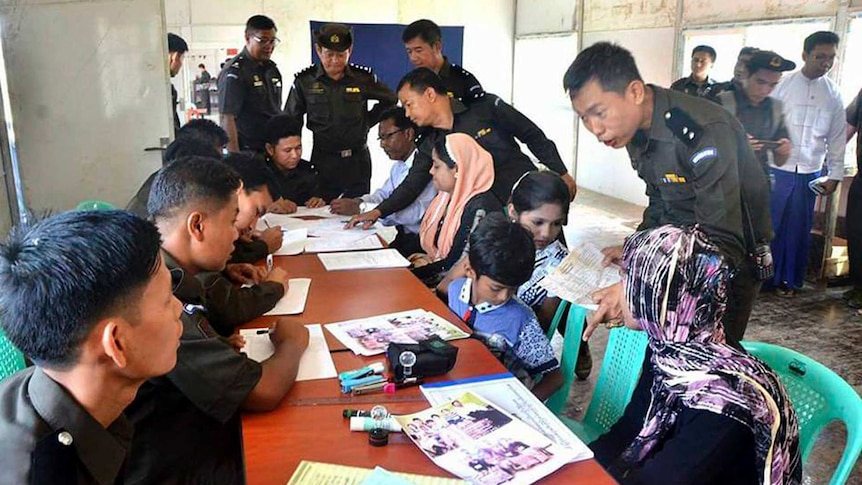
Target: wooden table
x=308, y=424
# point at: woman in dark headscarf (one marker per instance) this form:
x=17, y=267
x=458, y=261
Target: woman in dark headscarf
x=703, y=412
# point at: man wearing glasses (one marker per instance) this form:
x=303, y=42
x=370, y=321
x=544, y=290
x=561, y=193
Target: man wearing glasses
x=249, y=87
x=396, y=134
x=335, y=95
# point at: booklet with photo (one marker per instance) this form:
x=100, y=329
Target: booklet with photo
x=483, y=444
x=371, y=336
x=581, y=274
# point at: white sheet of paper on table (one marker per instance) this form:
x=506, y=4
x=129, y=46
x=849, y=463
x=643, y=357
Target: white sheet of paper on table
x=329, y=245
x=293, y=302
x=316, y=362
x=293, y=243
x=384, y=258
x=303, y=211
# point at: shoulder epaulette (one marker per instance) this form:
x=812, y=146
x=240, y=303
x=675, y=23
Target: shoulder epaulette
x=307, y=69
x=683, y=126
x=360, y=67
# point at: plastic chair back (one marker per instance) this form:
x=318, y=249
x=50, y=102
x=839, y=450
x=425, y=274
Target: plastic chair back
x=94, y=205
x=11, y=359
x=571, y=347
x=819, y=396
x=620, y=372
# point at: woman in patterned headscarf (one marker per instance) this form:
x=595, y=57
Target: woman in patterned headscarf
x=703, y=412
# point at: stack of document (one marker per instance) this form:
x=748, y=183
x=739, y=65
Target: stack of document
x=385, y=258
x=315, y=473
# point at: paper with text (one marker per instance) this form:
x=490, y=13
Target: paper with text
x=316, y=473
x=384, y=258
x=316, y=362
x=332, y=244
x=580, y=275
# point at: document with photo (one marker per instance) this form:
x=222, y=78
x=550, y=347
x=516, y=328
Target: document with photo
x=581, y=274
x=475, y=440
x=371, y=336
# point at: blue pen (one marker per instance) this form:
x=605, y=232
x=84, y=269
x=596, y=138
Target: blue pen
x=348, y=385
x=372, y=368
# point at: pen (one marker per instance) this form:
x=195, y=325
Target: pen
x=263, y=331
x=267, y=224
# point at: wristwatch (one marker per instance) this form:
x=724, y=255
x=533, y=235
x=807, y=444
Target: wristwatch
x=362, y=205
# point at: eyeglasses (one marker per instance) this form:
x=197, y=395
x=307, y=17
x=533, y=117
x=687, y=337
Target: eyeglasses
x=264, y=42
x=389, y=135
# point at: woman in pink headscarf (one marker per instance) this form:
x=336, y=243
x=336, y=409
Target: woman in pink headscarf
x=463, y=172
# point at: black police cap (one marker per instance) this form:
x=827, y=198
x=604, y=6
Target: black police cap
x=770, y=61
x=337, y=37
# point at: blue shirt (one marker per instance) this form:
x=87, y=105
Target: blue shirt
x=411, y=216
x=513, y=320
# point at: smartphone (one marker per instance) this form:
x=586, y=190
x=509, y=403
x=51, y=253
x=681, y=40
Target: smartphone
x=767, y=144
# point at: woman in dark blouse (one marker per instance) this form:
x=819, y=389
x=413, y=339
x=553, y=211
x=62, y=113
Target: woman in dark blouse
x=703, y=412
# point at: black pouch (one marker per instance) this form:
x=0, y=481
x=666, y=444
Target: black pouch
x=433, y=357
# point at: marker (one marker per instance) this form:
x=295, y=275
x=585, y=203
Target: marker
x=391, y=387
x=367, y=424
x=370, y=388
x=359, y=413
x=372, y=368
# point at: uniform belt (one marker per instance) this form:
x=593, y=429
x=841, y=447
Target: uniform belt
x=348, y=152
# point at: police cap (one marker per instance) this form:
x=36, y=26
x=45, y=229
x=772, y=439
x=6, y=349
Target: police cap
x=337, y=37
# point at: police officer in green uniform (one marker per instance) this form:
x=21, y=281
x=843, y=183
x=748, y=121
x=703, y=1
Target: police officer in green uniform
x=335, y=94
x=187, y=424
x=695, y=160
x=87, y=297
x=423, y=42
x=177, y=49
x=249, y=87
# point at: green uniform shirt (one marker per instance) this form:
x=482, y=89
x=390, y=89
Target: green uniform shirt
x=691, y=159
x=49, y=438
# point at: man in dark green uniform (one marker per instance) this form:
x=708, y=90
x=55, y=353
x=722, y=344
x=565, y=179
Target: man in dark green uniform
x=249, y=87
x=177, y=49
x=187, y=424
x=695, y=160
x=423, y=42
x=88, y=298
x=335, y=94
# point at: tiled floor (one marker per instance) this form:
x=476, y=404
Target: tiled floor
x=816, y=323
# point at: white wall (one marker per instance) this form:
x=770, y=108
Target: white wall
x=488, y=36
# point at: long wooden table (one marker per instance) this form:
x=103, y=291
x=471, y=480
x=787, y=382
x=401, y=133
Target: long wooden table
x=308, y=424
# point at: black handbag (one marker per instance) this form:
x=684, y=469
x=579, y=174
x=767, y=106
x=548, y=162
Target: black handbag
x=432, y=357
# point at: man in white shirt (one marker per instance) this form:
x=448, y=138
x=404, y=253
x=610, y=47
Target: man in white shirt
x=396, y=134
x=814, y=114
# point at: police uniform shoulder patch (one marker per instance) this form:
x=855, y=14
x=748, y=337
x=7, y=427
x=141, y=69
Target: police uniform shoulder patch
x=307, y=69
x=703, y=155
x=360, y=67
x=683, y=126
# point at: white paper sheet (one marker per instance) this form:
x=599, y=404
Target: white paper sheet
x=293, y=242
x=316, y=362
x=332, y=244
x=384, y=258
x=303, y=211
x=509, y=394
x=293, y=302
x=580, y=274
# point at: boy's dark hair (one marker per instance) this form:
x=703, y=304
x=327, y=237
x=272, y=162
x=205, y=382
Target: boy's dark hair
x=421, y=79
x=399, y=118
x=191, y=180
x=189, y=147
x=206, y=131
x=706, y=50
x=425, y=29
x=250, y=170
x=202, y=67
x=259, y=22
x=63, y=274
x=820, y=38
x=177, y=44
x=281, y=126
x=502, y=250
x=612, y=66
x=535, y=189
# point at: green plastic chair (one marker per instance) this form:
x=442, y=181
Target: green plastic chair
x=819, y=396
x=95, y=205
x=11, y=359
x=621, y=367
